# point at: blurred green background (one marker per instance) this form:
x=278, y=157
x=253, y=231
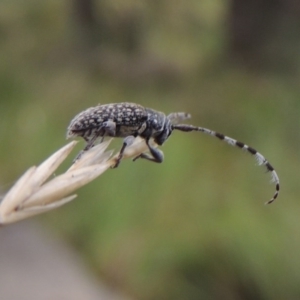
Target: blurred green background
x=194, y=227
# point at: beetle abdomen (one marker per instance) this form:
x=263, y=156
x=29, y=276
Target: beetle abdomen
x=122, y=114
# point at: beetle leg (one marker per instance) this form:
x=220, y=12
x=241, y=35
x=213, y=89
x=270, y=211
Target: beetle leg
x=109, y=128
x=157, y=155
x=126, y=142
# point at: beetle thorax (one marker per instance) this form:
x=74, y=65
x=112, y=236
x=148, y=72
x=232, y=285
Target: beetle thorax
x=158, y=126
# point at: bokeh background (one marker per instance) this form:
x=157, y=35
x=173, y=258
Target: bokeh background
x=194, y=227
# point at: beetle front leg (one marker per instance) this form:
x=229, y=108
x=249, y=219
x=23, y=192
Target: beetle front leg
x=157, y=155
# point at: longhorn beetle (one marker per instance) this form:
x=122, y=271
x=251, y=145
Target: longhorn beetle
x=129, y=120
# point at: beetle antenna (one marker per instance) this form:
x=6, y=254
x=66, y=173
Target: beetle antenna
x=258, y=156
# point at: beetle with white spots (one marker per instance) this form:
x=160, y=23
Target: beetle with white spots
x=129, y=120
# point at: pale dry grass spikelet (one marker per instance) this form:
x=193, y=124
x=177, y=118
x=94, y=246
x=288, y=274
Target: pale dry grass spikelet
x=32, y=194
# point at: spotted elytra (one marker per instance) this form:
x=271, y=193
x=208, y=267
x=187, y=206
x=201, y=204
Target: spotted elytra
x=129, y=120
